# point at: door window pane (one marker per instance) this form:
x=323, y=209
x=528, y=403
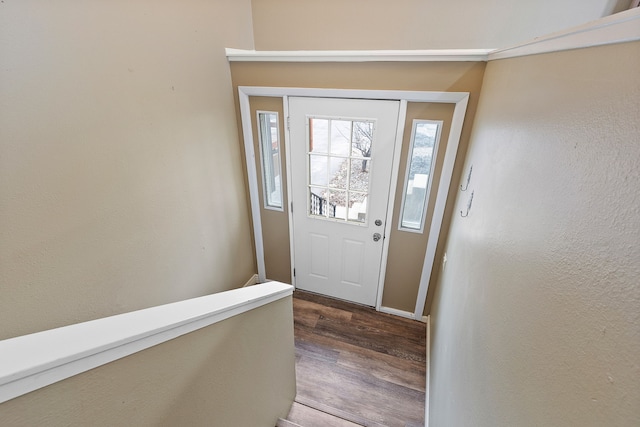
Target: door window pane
x=318, y=135
x=319, y=203
x=340, y=137
x=357, y=207
x=359, y=178
x=339, y=167
x=362, y=139
x=422, y=150
x=269, y=141
x=338, y=200
x=318, y=170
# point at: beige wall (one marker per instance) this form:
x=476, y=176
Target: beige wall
x=407, y=249
x=416, y=24
x=275, y=224
x=239, y=372
x=535, y=321
x=121, y=183
x=436, y=76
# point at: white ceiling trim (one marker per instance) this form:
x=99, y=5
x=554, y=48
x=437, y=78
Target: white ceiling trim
x=437, y=55
x=619, y=28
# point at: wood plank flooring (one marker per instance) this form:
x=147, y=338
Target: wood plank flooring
x=357, y=364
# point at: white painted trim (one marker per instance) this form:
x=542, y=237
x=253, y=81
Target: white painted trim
x=427, y=384
x=253, y=280
x=441, y=202
x=460, y=99
x=619, y=28
x=30, y=362
x=395, y=170
x=252, y=178
x=287, y=149
x=434, y=155
x=432, y=55
x=396, y=312
x=265, y=205
x=407, y=95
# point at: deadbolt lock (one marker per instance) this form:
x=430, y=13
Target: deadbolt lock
x=378, y=222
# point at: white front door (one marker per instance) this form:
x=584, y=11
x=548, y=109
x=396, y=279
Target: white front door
x=341, y=163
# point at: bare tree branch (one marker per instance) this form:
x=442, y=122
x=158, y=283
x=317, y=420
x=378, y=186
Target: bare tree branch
x=362, y=140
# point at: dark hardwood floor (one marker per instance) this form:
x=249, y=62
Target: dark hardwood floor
x=357, y=364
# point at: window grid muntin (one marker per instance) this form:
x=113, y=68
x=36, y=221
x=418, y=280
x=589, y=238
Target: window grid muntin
x=349, y=158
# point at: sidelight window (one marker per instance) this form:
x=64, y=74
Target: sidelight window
x=419, y=174
x=269, y=141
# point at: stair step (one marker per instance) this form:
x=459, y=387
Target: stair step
x=302, y=415
x=285, y=423
x=342, y=418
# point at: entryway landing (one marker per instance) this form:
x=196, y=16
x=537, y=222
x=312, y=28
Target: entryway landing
x=356, y=366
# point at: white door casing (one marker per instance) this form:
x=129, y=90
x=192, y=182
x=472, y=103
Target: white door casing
x=459, y=99
x=335, y=250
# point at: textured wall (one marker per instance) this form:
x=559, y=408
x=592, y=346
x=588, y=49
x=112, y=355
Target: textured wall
x=536, y=320
x=416, y=24
x=239, y=372
x=121, y=183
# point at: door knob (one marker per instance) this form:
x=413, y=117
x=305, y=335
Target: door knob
x=376, y=237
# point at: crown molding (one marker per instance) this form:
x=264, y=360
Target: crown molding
x=434, y=55
x=619, y=28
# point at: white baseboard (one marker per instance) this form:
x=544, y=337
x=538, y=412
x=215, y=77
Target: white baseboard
x=396, y=312
x=426, y=391
x=402, y=313
x=253, y=280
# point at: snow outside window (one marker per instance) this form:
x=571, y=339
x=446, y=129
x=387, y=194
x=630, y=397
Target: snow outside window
x=269, y=141
x=422, y=152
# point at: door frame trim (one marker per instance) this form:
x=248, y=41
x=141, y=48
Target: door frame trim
x=460, y=99
x=390, y=192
